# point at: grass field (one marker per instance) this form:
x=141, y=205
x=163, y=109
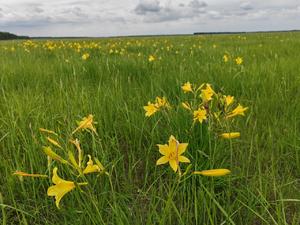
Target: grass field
x=52, y=85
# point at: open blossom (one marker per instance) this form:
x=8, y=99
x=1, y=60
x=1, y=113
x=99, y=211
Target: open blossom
x=207, y=93
x=60, y=188
x=228, y=100
x=187, y=87
x=152, y=108
x=151, y=58
x=85, y=56
x=239, y=60
x=239, y=110
x=172, y=153
x=200, y=115
x=87, y=123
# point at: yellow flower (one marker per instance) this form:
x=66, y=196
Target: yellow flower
x=239, y=110
x=230, y=135
x=200, y=115
x=162, y=102
x=150, y=109
x=48, y=151
x=151, y=58
x=228, y=100
x=55, y=143
x=186, y=105
x=225, y=58
x=213, y=173
x=172, y=153
x=187, y=87
x=60, y=188
x=91, y=168
x=87, y=123
x=239, y=60
x=85, y=56
x=207, y=93
x=23, y=174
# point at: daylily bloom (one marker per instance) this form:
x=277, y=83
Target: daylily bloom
x=239, y=110
x=187, y=87
x=60, y=188
x=162, y=102
x=87, y=123
x=200, y=115
x=23, y=174
x=239, y=60
x=91, y=168
x=172, y=153
x=229, y=100
x=230, y=135
x=151, y=58
x=85, y=56
x=213, y=173
x=150, y=109
x=225, y=58
x=207, y=93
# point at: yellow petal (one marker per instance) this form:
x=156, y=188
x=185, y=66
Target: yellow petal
x=164, y=149
x=183, y=159
x=162, y=160
x=48, y=151
x=182, y=147
x=174, y=165
x=91, y=168
x=213, y=173
x=173, y=143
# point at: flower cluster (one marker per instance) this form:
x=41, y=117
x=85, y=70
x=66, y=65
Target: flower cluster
x=76, y=162
x=160, y=103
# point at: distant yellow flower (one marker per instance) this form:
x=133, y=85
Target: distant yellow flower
x=150, y=109
x=151, y=58
x=186, y=105
x=230, y=135
x=60, y=188
x=207, y=93
x=200, y=115
x=162, y=102
x=172, y=153
x=239, y=110
x=213, y=173
x=91, y=168
x=228, y=100
x=225, y=58
x=239, y=60
x=87, y=123
x=187, y=87
x=23, y=174
x=85, y=56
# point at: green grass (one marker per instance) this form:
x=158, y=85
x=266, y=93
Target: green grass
x=40, y=89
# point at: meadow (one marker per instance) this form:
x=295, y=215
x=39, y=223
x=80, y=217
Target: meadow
x=53, y=84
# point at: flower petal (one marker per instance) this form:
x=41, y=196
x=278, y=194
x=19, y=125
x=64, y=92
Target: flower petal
x=162, y=160
x=174, y=165
x=164, y=149
x=182, y=147
x=183, y=159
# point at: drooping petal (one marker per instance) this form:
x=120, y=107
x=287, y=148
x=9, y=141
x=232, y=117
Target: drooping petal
x=91, y=168
x=183, y=159
x=162, y=160
x=173, y=164
x=59, y=190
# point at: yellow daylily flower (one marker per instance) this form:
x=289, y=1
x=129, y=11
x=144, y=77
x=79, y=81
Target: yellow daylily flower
x=207, y=93
x=150, y=109
x=187, y=87
x=162, y=102
x=213, y=173
x=60, y=188
x=239, y=110
x=85, y=56
x=23, y=174
x=151, y=58
x=229, y=100
x=225, y=58
x=54, y=142
x=172, y=153
x=230, y=135
x=239, y=60
x=91, y=168
x=200, y=115
x=49, y=152
x=87, y=123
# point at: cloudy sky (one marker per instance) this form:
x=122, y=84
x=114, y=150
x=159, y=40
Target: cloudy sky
x=139, y=17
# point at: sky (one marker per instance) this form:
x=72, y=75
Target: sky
x=100, y=18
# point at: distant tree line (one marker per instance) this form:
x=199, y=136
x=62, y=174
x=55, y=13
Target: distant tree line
x=9, y=36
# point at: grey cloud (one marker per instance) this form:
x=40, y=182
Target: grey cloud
x=147, y=6
x=246, y=6
x=197, y=4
